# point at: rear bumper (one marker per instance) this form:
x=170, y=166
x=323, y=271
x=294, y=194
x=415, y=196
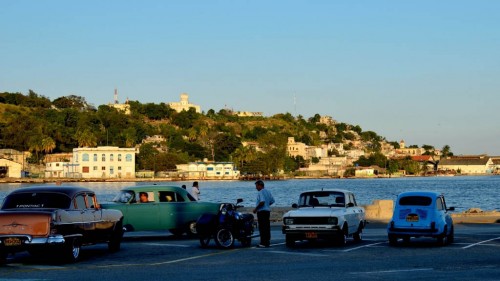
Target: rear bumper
x=304, y=233
x=28, y=242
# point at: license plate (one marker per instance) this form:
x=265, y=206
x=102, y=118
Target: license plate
x=412, y=218
x=311, y=235
x=11, y=242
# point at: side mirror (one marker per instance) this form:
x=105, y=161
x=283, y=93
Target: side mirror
x=295, y=206
x=349, y=205
x=239, y=200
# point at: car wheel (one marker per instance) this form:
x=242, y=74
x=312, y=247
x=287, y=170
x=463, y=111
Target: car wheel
x=71, y=250
x=204, y=241
x=290, y=241
x=224, y=238
x=358, y=235
x=115, y=240
x=393, y=239
x=442, y=239
x=342, y=237
x=192, y=228
x=451, y=236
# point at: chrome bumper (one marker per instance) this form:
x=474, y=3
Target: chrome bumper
x=29, y=240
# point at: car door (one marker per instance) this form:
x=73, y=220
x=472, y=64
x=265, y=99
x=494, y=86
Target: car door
x=102, y=228
x=86, y=223
x=172, y=209
x=143, y=216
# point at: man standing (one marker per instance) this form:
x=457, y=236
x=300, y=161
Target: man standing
x=263, y=209
x=195, y=191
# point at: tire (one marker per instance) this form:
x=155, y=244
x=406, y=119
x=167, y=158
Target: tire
x=406, y=239
x=71, y=250
x=114, y=243
x=204, y=241
x=358, y=235
x=290, y=241
x=451, y=236
x=393, y=239
x=342, y=238
x=224, y=238
x=442, y=240
x=192, y=228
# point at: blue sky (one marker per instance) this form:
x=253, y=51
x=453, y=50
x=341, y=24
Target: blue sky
x=427, y=72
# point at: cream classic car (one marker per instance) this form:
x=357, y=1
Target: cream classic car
x=324, y=214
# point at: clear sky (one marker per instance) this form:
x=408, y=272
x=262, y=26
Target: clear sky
x=427, y=72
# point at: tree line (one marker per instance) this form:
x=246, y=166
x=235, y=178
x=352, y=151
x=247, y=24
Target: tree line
x=34, y=123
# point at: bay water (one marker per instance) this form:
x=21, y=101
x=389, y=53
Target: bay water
x=462, y=192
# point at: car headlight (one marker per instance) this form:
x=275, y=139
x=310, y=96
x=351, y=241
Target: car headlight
x=333, y=220
x=223, y=211
x=288, y=221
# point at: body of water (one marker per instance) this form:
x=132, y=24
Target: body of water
x=462, y=192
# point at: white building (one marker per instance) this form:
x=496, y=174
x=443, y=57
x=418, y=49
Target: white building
x=184, y=104
x=10, y=169
x=56, y=169
x=204, y=170
x=102, y=162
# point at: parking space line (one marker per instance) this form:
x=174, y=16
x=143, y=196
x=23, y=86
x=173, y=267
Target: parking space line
x=479, y=243
x=296, y=253
x=167, y=245
x=393, y=271
x=355, y=248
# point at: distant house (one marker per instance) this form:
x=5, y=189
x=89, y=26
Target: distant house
x=425, y=160
x=295, y=149
x=10, y=169
x=184, y=104
x=474, y=165
x=102, y=162
x=208, y=170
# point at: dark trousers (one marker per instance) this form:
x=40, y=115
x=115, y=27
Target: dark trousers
x=264, y=227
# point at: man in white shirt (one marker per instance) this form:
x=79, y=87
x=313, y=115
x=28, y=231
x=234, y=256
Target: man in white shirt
x=195, y=191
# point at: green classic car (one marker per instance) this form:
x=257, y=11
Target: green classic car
x=159, y=207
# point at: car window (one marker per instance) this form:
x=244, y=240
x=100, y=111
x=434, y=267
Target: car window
x=91, y=201
x=79, y=202
x=47, y=200
x=123, y=197
x=322, y=199
x=170, y=196
x=440, y=204
x=415, y=201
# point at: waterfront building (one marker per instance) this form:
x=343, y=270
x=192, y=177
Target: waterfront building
x=468, y=165
x=102, y=162
x=10, y=169
x=247, y=114
x=208, y=170
x=184, y=104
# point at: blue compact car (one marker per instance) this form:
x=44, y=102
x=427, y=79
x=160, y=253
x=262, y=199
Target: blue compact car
x=421, y=214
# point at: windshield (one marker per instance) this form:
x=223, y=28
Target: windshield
x=322, y=198
x=415, y=201
x=46, y=200
x=124, y=196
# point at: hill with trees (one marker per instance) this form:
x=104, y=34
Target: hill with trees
x=34, y=123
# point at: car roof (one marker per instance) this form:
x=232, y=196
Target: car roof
x=327, y=190
x=432, y=194
x=68, y=190
x=140, y=188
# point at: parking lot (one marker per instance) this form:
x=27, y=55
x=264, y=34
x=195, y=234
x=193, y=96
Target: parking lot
x=475, y=255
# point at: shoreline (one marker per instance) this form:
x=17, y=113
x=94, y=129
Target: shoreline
x=56, y=180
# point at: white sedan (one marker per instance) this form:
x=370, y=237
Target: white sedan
x=324, y=214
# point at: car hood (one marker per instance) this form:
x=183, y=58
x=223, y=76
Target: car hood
x=315, y=212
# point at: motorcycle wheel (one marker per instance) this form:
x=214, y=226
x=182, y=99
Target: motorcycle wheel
x=224, y=238
x=204, y=241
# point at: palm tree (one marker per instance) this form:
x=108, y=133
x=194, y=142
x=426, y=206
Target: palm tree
x=48, y=144
x=86, y=138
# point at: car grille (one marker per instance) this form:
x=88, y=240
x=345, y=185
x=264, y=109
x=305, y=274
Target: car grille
x=310, y=220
